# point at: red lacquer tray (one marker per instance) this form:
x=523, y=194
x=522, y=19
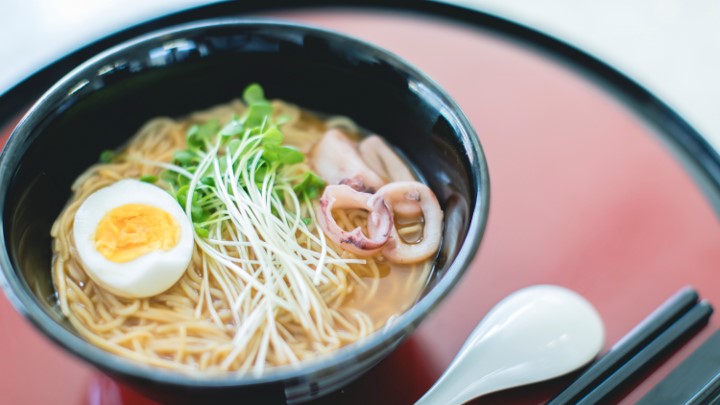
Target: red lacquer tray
x=584, y=193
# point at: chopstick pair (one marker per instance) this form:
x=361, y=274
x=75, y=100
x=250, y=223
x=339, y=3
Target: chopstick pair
x=678, y=317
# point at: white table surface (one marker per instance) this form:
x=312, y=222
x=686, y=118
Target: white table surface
x=671, y=47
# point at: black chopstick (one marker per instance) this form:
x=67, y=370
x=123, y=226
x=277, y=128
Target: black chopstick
x=632, y=343
x=683, y=327
x=695, y=381
x=708, y=394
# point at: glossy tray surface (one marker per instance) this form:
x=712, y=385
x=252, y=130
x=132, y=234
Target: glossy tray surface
x=585, y=193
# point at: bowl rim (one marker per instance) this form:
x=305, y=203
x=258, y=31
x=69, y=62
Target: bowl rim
x=26, y=303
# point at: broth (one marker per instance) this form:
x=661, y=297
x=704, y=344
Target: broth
x=205, y=320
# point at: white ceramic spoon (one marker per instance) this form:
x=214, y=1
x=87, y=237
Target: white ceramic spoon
x=532, y=335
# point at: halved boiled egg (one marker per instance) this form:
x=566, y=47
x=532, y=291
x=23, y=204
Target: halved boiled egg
x=133, y=238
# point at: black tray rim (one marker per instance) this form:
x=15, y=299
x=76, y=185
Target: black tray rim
x=699, y=157
x=692, y=147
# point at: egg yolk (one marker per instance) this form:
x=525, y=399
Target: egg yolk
x=132, y=230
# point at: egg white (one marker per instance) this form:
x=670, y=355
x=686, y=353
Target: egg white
x=149, y=274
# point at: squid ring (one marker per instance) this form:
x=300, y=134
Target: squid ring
x=380, y=220
x=401, y=194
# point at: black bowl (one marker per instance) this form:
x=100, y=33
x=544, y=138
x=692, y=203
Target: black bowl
x=172, y=72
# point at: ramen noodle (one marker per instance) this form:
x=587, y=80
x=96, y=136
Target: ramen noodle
x=294, y=235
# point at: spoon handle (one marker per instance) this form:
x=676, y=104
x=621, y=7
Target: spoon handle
x=456, y=387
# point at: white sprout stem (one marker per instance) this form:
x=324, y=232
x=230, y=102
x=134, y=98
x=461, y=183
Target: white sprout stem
x=252, y=252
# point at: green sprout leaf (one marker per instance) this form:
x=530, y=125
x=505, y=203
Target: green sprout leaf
x=254, y=94
x=199, y=214
x=149, y=178
x=233, y=128
x=273, y=136
x=258, y=114
x=107, y=156
x=208, y=181
x=169, y=177
x=310, y=185
x=201, y=231
x=185, y=158
x=233, y=146
x=282, y=154
x=181, y=195
x=198, y=135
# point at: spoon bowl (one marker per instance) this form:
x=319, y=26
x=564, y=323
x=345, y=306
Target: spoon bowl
x=534, y=334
